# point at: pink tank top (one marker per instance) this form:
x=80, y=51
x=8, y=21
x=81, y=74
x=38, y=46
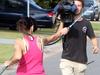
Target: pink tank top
x=31, y=63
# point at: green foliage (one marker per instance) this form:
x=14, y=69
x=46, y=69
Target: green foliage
x=45, y=3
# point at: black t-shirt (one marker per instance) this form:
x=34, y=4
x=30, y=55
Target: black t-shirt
x=74, y=43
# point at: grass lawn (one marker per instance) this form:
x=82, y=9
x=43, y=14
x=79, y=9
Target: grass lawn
x=7, y=50
x=96, y=26
x=9, y=34
x=45, y=32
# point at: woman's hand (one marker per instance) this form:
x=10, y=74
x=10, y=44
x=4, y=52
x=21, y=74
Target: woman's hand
x=6, y=63
x=64, y=31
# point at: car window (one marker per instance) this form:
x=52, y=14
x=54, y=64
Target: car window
x=88, y=3
x=15, y=5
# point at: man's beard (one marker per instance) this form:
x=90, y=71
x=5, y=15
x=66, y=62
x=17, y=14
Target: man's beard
x=79, y=13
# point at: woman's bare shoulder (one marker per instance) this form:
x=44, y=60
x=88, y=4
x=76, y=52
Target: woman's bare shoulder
x=19, y=42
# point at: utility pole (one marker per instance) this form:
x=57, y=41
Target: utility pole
x=28, y=8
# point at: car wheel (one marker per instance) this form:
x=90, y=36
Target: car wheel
x=12, y=28
x=97, y=18
x=92, y=18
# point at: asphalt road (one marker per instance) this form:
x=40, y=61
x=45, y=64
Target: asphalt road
x=52, y=55
x=52, y=64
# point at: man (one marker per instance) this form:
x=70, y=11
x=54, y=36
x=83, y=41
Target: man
x=74, y=56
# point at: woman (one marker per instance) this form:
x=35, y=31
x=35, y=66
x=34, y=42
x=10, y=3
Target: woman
x=28, y=50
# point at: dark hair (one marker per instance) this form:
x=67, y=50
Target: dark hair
x=82, y=1
x=25, y=23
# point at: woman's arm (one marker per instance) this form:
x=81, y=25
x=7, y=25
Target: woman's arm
x=17, y=53
x=59, y=33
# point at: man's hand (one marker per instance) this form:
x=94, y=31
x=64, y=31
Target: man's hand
x=95, y=50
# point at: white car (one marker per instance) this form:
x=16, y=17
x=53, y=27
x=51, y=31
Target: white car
x=91, y=10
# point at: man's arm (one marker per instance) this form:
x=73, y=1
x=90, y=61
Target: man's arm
x=92, y=36
x=95, y=45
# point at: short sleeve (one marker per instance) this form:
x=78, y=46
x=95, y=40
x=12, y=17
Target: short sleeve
x=90, y=31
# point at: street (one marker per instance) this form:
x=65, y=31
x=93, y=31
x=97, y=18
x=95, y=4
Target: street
x=52, y=55
x=52, y=64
